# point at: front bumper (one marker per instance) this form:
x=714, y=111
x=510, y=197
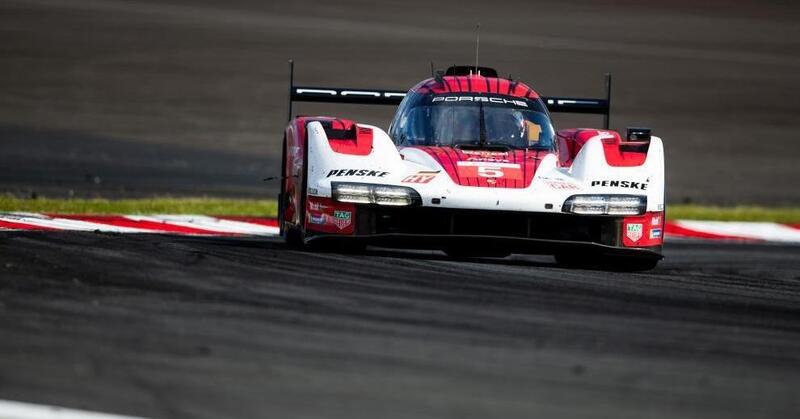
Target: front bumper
x=513, y=231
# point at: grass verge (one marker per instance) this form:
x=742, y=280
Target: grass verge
x=268, y=208
x=210, y=206
x=786, y=215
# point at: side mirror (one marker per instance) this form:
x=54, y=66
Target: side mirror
x=638, y=134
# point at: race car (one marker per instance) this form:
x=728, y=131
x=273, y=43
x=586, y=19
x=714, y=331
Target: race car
x=472, y=165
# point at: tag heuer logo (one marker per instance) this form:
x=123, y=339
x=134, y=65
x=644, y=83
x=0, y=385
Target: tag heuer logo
x=634, y=232
x=342, y=219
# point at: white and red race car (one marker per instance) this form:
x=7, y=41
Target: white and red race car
x=472, y=165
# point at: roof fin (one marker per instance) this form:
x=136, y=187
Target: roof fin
x=477, y=47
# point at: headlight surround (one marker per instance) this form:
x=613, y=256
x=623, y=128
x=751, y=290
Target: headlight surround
x=606, y=205
x=365, y=193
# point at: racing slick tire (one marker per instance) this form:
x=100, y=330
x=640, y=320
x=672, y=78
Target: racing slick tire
x=464, y=252
x=609, y=263
x=336, y=246
x=292, y=234
x=629, y=264
x=577, y=260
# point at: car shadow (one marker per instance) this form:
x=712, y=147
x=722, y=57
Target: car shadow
x=276, y=244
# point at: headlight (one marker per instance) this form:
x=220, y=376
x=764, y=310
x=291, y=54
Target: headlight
x=606, y=204
x=364, y=193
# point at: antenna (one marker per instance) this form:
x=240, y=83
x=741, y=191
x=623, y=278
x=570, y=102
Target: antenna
x=432, y=72
x=477, y=45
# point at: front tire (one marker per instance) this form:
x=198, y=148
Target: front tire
x=607, y=263
x=577, y=260
x=294, y=235
x=462, y=252
x=629, y=264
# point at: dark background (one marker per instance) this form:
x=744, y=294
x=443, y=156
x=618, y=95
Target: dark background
x=140, y=98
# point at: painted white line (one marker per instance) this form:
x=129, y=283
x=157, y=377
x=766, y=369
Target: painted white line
x=19, y=410
x=209, y=223
x=67, y=224
x=748, y=230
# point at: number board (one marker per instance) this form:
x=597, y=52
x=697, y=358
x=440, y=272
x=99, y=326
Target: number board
x=509, y=171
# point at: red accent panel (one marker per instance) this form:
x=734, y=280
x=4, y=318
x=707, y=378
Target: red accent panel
x=359, y=143
x=120, y=221
x=488, y=169
x=624, y=154
x=476, y=84
x=617, y=152
x=328, y=216
x=644, y=230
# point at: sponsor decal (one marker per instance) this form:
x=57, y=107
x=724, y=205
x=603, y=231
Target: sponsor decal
x=634, y=231
x=485, y=153
x=655, y=221
x=620, y=184
x=561, y=185
x=655, y=233
x=342, y=219
x=487, y=156
x=508, y=171
x=420, y=177
x=317, y=219
x=485, y=99
x=488, y=159
x=357, y=172
x=316, y=206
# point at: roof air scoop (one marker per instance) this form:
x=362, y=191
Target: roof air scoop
x=466, y=70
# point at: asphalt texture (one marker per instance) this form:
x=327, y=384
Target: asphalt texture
x=178, y=97
x=187, y=327
x=116, y=98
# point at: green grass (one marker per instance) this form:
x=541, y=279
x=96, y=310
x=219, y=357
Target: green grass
x=740, y=213
x=210, y=206
x=268, y=208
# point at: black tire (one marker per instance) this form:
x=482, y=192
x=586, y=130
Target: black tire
x=629, y=264
x=282, y=193
x=293, y=235
x=462, y=252
x=337, y=246
x=577, y=260
x=607, y=263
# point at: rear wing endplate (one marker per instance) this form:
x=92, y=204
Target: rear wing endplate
x=394, y=97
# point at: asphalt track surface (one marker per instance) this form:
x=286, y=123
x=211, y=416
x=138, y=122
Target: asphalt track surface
x=192, y=327
x=141, y=97
x=133, y=98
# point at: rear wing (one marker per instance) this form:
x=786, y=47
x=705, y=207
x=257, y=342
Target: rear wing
x=394, y=97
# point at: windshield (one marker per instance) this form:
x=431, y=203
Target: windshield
x=472, y=120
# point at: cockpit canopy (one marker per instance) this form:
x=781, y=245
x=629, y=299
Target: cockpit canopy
x=474, y=119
